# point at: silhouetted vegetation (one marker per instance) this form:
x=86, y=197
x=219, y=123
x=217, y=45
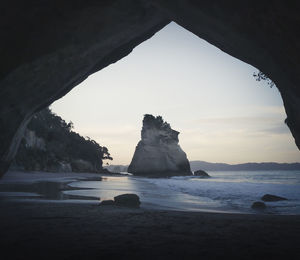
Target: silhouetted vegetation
x=62, y=145
x=260, y=76
x=158, y=122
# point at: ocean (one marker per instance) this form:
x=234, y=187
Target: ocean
x=229, y=192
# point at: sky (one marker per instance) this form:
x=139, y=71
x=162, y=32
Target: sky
x=222, y=113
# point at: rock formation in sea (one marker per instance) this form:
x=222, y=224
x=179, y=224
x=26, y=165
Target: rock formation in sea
x=158, y=153
x=270, y=197
x=258, y=205
x=201, y=173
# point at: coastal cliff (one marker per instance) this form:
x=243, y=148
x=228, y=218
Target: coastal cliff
x=49, y=144
x=158, y=153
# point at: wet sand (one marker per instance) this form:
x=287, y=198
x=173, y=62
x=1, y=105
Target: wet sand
x=83, y=231
x=50, y=229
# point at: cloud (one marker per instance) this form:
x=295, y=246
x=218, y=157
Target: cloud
x=277, y=129
x=238, y=125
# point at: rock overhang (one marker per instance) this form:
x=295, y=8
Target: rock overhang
x=49, y=47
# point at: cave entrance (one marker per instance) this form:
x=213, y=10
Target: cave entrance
x=223, y=114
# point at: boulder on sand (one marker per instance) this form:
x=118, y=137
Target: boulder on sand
x=107, y=203
x=127, y=200
x=270, y=197
x=258, y=205
x=201, y=173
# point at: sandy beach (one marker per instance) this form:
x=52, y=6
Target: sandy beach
x=58, y=229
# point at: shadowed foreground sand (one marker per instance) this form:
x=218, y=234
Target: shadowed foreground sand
x=83, y=231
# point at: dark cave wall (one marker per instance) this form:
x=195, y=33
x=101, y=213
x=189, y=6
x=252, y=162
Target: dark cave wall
x=264, y=34
x=51, y=46
x=48, y=47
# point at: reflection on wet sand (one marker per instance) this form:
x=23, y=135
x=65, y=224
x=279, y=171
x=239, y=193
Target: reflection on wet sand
x=44, y=190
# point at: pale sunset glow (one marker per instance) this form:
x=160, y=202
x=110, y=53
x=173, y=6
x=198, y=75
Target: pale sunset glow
x=222, y=113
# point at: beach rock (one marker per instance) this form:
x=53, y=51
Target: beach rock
x=201, y=173
x=270, y=197
x=64, y=167
x=107, y=203
x=82, y=166
x=158, y=153
x=258, y=205
x=55, y=166
x=127, y=200
x=33, y=141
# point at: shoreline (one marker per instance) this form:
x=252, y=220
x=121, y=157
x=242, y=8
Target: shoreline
x=45, y=187
x=52, y=229
x=155, y=194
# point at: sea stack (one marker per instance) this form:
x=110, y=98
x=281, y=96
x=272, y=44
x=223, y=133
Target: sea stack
x=158, y=154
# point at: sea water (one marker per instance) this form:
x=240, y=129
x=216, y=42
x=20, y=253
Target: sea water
x=232, y=192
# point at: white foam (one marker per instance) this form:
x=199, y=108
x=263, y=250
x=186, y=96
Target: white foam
x=234, y=195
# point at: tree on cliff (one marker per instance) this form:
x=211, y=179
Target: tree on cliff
x=158, y=121
x=260, y=76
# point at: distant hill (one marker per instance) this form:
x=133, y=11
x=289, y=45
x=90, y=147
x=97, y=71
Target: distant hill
x=207, y=166
x=265, y=166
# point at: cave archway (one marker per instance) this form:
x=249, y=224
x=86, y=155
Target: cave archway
x=222, y=113
x=51, y=46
